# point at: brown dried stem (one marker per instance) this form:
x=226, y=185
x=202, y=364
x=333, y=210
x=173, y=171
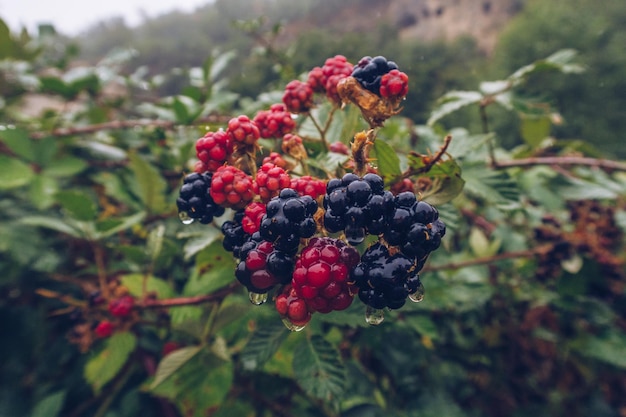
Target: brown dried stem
x=431, y=161
x=490, y=259
x=563, y=160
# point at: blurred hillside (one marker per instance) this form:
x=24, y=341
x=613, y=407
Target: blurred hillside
x=443, y=45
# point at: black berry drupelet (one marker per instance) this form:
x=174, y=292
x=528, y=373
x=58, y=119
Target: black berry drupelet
x=234, y=235
x=357, y=206
x=262, y=266
x=369, y=72
x=194, y=198
x=288, y=218
x=414, y=227
x=385, y=280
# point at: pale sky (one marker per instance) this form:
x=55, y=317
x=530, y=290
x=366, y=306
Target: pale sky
x=73, y=16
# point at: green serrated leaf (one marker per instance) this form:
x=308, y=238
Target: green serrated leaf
x=215, y=268
x=42, y=191
x=171, y=363
x=200, y=383
x=18, y=141
x=150, y=184
x=494, y=186
x=110, y=227
x=263, y=344
x=135, y=285
x=105, y=366
x=50, y=406
x=318, y=369
x=608, y=349
x=451, y=102
x=14, y=173
x=65, y=167
x=54, y=224
x=535, y=129
x=387, y=160
x=353, y=316
x=446, y=178
x=200, y=242
x=77, y=205
x=155, y=242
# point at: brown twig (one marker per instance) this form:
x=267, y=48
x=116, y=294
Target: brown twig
x=101, y=267
x=113, y=125
x=431, y=160
x=67, y=299
x=563, y=160
x=489, y=259
x=186, y=301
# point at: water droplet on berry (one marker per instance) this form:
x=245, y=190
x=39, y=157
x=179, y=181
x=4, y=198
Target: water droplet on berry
x=418, y=295
x=256, y=298
x=374, y=316
x=293, y=327
x=184, y=217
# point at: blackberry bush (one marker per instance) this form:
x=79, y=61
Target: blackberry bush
x=278, y=233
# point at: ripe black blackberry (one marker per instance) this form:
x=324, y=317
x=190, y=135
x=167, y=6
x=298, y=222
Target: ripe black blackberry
x=369, y=71
x=385, y=280
x=234, y=235
x=358, y=206
x=195, y=202
x=262, y=267
x=288, y=218
x=414, y=227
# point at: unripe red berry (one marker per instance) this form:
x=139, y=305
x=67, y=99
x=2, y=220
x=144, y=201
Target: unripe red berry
x=339, y=147
x=242, y=130
x=121, y=307
x=231, y=187
x=270, y=179
x=275, y=122
x=213, y=150
x=291, y=307
x=298, y=97
x=252, y=217
x=394, y=84
x=316, y=80
x=308, y=185
x=104, y=329
x=276, y=159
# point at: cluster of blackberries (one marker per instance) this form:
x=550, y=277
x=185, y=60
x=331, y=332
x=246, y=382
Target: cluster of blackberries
x=414, y=227
x=385, y=280
x=288, y=218
x=234, y=235
x=369, y=72
x=194, y=198
x=262, y=266
x=357, y=206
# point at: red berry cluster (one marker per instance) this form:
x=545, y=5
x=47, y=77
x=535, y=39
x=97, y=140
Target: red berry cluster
x=270, y=179
x=213, y=150
x=231, y=187
x=275, y=122
x=394, y=84
x=244, y=131
x=284, y=213
x=298, y=97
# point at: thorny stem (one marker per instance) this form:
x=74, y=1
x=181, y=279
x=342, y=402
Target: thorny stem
x=185, y=301
x=101, y=267
x=431, y=161
x=118, y=125
x=322, y=131
x=563, y=160
x=490, y=259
